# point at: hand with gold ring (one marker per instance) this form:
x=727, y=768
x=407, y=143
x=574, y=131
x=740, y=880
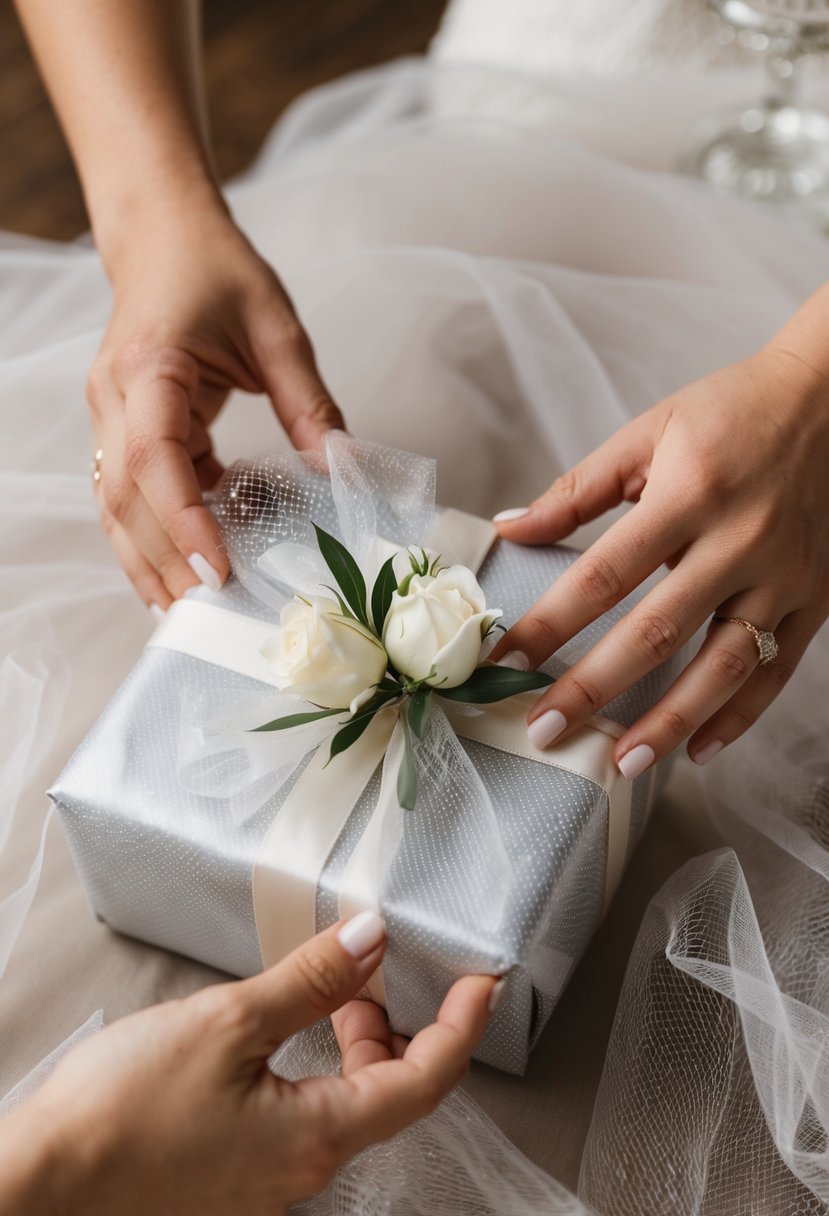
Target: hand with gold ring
x=185, y=331
x=197, y=312
x=730, y=481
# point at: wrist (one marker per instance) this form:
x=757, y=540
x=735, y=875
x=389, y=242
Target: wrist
x=33, y=1171
x=797, y=386
x=801, y=348
x=163, y=204
x=51, y=1161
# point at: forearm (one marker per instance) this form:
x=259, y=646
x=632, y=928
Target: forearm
x=125, y=78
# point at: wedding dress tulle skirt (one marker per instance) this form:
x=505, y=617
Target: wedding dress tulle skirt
x=488, y=292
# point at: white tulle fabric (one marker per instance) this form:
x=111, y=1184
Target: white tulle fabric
x=502, y=299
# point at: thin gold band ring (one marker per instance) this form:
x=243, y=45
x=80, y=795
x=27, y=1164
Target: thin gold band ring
x=767, y=647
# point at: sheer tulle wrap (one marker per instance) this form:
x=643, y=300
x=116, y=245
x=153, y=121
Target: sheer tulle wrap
x=489, y=293
x=174, y=805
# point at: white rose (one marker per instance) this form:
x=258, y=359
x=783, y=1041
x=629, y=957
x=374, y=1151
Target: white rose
x=325, y=657
x=434, y=630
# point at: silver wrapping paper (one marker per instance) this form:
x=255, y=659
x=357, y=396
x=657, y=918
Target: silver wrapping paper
x=174, y=868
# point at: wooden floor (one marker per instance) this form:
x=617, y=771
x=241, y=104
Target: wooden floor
x=259, y=55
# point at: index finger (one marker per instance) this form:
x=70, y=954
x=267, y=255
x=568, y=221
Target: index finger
x=158, y=425
x=628, y=553
x=379, y=1100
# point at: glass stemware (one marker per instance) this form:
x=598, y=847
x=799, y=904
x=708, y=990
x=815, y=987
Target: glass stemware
x=775, y=150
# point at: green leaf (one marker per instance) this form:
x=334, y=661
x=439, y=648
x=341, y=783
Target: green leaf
x=298, y=720
x=420, y=708
x=487, y=684
x=384, y=588
x=407, y=777
x=352, y=730
x=403, y=589
x=347, y=573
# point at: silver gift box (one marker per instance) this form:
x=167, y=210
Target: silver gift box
x=174, y=868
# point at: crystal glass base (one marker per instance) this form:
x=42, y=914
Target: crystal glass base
x=778, y=154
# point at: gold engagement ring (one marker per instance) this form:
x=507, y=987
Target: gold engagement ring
x=767, y=647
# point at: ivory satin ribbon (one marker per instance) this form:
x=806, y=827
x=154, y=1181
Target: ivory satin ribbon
x=296, y=848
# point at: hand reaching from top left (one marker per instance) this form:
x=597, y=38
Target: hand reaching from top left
x=196, y=313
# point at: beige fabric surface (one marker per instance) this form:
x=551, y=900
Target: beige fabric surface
x=66, y=964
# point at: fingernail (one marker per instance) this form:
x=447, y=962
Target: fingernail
x=708, y=752
x=362, y=934
x=515, y=659
x=504, y=517
x=634, y=762
x=204, y=572
x=157, y=613
x=497, y=994
x=546, y=728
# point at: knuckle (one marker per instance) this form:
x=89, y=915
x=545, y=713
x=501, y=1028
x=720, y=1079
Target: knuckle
x=169, y=565
x=566, y=486
x=586, y=692
x=744, y=716
x=319, y=977
x=323, y=412
x=221, y=1010
x=656, y=635
x=97, y=388
x=597, y=581
x=286, y=338
x=133, y=354
x=146, y=354
x=674, y=724
x=175, y=575
x=117, y=496
x=139, y=453
x=544, y=634
x=728, y=666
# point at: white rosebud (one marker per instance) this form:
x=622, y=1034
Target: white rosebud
x=434, y=630
x=325, y=657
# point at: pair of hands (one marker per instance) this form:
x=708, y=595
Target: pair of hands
x=728, y=477
x=174, y=1109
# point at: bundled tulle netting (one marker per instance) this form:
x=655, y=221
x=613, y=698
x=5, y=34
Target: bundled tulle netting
x=511, y=329
x=715, y=1093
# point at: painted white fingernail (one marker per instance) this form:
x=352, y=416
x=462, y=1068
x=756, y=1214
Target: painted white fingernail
x=157, y=613
x=545, y=729
x=516, y=659
x=708, y=752
x=362, y=934
x=503, y=517
x=204, y=572
x=497, y=994
x=634, y=762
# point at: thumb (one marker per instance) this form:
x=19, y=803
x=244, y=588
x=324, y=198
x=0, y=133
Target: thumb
x=611, y=474
x=313, y=981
